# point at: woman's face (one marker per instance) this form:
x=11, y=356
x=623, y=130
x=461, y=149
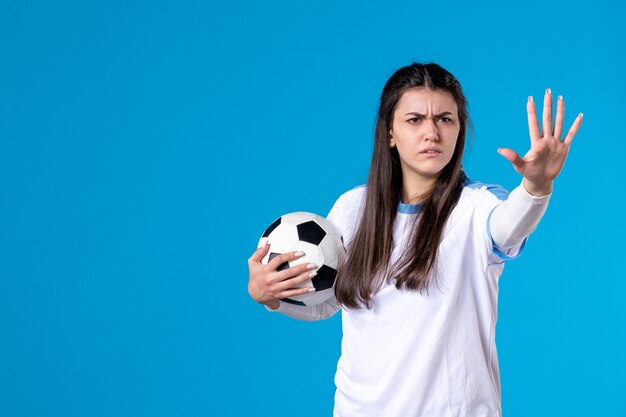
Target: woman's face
x=425, y=130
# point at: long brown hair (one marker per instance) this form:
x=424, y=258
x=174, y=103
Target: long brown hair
x=370, y=250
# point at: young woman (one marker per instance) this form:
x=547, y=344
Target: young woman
x=426, y=246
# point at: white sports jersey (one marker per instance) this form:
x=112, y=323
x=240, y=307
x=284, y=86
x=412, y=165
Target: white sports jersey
x=424, y=355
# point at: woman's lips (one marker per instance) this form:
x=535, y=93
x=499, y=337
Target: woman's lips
x=431, y=153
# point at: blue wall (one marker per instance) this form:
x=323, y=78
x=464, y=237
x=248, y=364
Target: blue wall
x=145, y=146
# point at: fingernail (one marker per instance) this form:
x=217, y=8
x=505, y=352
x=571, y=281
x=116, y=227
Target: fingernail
x=311, y=289
x=310, y=266
x=530, y=98
x=548, y=91
x=299, y=253
x=312, y=274
x=560, y=97
x=581, y=115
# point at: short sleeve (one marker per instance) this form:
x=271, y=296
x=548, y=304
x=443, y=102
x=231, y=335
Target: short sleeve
x=335, y=214
x=512, y=221
x=346, y=212
x=490, y=197
x=504, y=254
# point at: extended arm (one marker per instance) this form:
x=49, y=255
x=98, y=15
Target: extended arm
x=514, y=219
x=517, y=217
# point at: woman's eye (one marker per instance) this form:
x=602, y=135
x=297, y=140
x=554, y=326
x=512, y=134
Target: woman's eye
x=416, y=119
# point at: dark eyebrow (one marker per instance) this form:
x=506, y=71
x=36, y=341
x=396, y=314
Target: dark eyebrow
x=445, y=113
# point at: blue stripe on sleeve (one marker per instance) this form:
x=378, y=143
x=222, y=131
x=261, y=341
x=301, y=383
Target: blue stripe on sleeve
x=497, y=251
x=500, y=192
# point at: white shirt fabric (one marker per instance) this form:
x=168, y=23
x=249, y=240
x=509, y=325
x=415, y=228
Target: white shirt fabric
x=431, y=354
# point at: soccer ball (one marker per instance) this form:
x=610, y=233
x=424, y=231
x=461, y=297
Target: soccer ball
x=322, y=245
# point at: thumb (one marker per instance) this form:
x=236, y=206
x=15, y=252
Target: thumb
x=512, y=157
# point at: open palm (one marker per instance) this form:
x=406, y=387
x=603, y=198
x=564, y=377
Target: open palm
x=546, y=157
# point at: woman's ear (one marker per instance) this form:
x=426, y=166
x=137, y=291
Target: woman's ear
x=392, y=143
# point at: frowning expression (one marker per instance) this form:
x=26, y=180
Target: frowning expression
x=425, y=130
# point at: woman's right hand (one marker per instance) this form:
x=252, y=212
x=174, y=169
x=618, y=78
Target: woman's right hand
x=267, y=285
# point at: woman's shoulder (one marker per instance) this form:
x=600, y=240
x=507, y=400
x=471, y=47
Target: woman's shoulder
x=355, y=193
x=345, y=213
x=351, y=201
x=483, y=189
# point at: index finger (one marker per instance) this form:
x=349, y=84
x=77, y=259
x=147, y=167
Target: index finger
x=276, y=262
x=259, y=253
x=533, y=124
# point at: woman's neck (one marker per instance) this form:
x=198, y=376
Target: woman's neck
x=415, y=190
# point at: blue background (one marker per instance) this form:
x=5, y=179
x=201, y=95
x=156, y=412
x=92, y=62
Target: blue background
x=145, y=146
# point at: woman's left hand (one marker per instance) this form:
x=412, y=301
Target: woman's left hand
x=546, y=157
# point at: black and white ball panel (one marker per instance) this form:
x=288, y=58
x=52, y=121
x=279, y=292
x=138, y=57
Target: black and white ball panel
x=311, y=232
x=318, y=239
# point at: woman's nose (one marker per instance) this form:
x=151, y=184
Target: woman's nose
x=431, y=132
